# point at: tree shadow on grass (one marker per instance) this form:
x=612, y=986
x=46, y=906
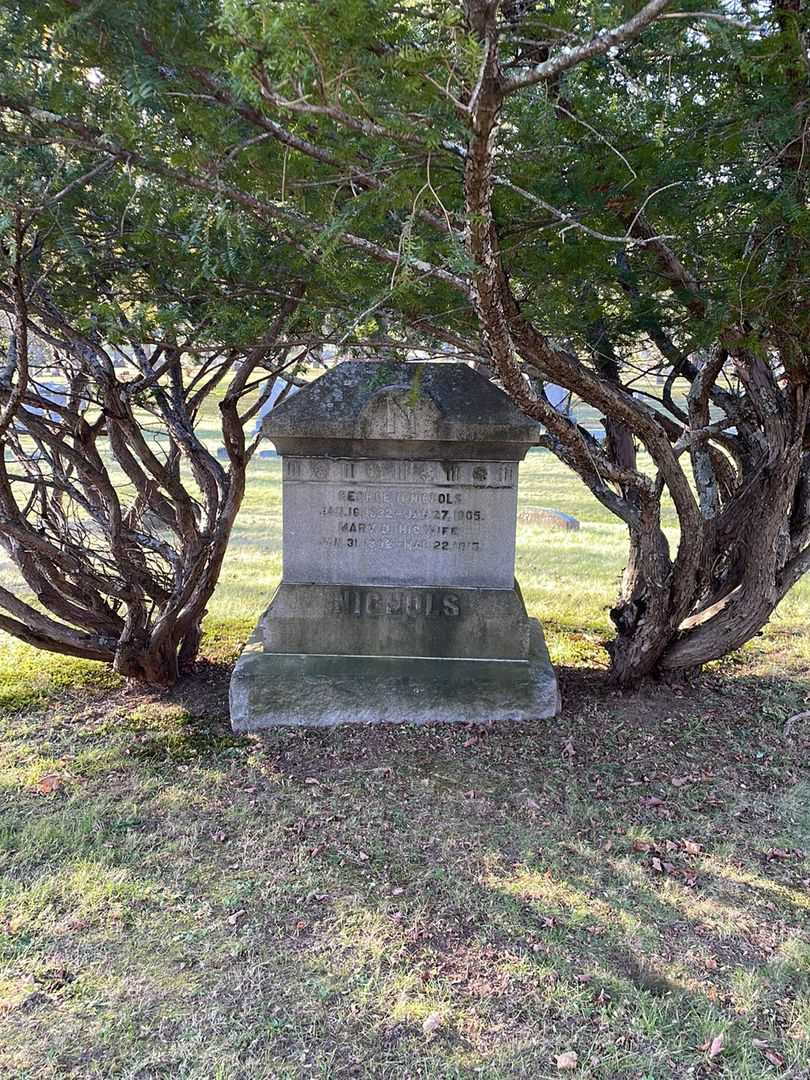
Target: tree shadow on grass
x=298, y=904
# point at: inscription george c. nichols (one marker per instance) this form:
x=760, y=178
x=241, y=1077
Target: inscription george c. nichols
x=379, y=522
x=403, y=520
x=364, y=602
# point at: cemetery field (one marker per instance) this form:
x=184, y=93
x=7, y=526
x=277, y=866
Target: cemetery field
x=623, y=892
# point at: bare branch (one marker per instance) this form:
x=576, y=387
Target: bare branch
x=599, y=44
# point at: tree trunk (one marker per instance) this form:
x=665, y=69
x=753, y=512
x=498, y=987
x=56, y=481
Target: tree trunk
x=642, y=615
x=190, y=646
x=157, y=668
x=747, y=565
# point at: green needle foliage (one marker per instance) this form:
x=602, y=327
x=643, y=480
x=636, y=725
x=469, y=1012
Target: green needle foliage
x=609, y=198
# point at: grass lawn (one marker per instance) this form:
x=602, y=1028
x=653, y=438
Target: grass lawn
x=623, y=892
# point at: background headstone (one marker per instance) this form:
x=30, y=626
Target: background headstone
x=278, y=386
x=549, y=519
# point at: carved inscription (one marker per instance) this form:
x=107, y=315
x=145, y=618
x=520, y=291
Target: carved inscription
x=390, y=522
x=498, y=474
x=365, y=602
x=403, y=505
x=403, y=520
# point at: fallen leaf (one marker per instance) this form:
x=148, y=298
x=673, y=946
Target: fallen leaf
x=768, y=1052
x=679, y=781
x=48, y=784
x=54, y=978
x=568, y=1060
x=651, y=801
x=32, y=1001
x=717, y=1045
x=710, y=964
x=777, y=853
x=432, y=1023
x=691, y=848
x=797, y=719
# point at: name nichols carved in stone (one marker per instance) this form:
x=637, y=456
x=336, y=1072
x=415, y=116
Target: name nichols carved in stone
x=361, y=602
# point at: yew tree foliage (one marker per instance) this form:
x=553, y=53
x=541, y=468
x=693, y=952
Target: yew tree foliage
x=129, y=303
x=589, y=195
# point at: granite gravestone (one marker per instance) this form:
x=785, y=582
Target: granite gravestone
x=398, y=601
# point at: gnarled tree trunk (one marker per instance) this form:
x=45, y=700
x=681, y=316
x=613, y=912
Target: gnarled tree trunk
x=746, y=526
x=120, y=572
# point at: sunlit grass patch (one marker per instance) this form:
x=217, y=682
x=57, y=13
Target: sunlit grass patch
x=791, y=963
x=224, y=636
x=797, y=1023
x=555, y=898
x=760, y=889
x=29, y=677
x=89, y=890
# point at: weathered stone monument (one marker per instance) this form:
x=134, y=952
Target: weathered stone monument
x=398, y=601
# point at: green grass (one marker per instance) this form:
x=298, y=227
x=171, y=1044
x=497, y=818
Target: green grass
x=627, y=882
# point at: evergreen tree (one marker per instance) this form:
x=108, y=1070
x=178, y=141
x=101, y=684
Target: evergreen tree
x=589, y=197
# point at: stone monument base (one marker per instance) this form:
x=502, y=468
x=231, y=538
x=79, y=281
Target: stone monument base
x=411, y=621
x=271, y=689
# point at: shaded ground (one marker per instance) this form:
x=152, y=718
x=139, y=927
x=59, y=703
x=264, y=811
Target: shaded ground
x=626, y=884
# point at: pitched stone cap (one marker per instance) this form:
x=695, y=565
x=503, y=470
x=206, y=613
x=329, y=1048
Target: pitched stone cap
x=414, y=409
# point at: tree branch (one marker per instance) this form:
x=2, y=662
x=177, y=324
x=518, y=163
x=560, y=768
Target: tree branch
x=599, y=44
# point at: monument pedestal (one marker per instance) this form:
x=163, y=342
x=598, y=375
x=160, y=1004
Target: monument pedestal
x=305, y=690
x=398, y=601
x=412, y=621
